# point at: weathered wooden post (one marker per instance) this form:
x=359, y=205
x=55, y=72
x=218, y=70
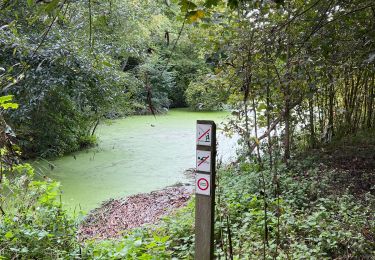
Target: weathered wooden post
x=205, y=189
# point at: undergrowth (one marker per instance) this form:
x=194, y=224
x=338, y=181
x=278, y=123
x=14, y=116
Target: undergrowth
x=306, y=221
x=309, y=215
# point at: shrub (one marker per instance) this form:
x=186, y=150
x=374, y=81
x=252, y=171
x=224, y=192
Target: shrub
x=207, y=93
x=34, y=224
x=138, y=244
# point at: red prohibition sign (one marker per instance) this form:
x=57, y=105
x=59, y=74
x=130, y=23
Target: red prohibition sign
x=199, y=184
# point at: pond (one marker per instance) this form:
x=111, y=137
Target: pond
x=137, y=154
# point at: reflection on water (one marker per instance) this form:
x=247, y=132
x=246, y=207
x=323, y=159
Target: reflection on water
x=136, y=154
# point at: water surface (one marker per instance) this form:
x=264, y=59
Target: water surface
x=135, y=155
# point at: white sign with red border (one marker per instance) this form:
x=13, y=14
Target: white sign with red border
x=202, y=184
x=203, y=161
x=204, y=134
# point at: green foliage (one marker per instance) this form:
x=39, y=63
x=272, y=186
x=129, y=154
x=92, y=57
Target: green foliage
x=34, y=224
x=312, y=86
x=140, y=244
x=159, y=80
x=207, y=93
x=179, y=227
x=6, y=104
x=313, y=223
x=68, y=67
x=305, y=222
x=171, y=237
x=67, y=74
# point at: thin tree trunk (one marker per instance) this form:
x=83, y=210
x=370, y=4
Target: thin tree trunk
x=90, y=25
x=311, y=119
x=229, y=240
x=370, y=103
x=287, y=100
x=331, y=98
x=95, y=126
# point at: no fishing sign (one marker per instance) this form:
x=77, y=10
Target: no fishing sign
x=204, y=134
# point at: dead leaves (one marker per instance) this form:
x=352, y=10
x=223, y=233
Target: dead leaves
x=115, y=216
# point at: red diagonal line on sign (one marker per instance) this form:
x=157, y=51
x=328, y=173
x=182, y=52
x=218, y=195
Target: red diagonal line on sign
x=204, y=159
x=203, y=134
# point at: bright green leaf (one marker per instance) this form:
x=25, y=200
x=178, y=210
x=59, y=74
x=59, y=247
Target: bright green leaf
x=9, y=105
x=6, y=98
x=9, y=235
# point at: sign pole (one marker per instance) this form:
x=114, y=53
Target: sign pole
x=205, y=189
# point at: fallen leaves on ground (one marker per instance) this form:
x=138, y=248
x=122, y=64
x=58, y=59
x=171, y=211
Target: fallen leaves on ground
x=117, y=215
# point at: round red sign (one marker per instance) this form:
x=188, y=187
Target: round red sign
x=202, y=184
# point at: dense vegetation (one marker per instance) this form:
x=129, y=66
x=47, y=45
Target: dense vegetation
x=312, y=217
x=299, y=77
x=318, y=214
x=70, y=64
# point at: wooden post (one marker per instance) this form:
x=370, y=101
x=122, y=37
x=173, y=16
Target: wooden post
x=205, y=190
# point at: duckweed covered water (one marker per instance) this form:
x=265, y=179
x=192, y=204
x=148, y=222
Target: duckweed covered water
x=135, y=155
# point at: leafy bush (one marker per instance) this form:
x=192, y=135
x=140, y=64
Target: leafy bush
x=313, y=223
x=63, y=92
x=34, y=224
x=179, y=227
x=139, y=244
x=207, y=93
x=173, y=236
x=304, y=222
x=66, y=78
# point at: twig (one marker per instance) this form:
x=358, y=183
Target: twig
x=298, y=15
x=148, y=86
x=174, y=44
x=90, y=26
x=229, y=239
x=44, y=36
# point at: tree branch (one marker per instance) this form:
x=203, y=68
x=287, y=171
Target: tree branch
x=44, y=36
x=273, y=125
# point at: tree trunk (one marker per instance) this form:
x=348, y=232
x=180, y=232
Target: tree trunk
x=331, y=98
x=371, y=97
x=312, y=126
x=287, y=100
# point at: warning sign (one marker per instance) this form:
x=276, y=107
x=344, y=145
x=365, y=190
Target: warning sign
x=204, y=134
x=203, y=161
x=202, y=184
